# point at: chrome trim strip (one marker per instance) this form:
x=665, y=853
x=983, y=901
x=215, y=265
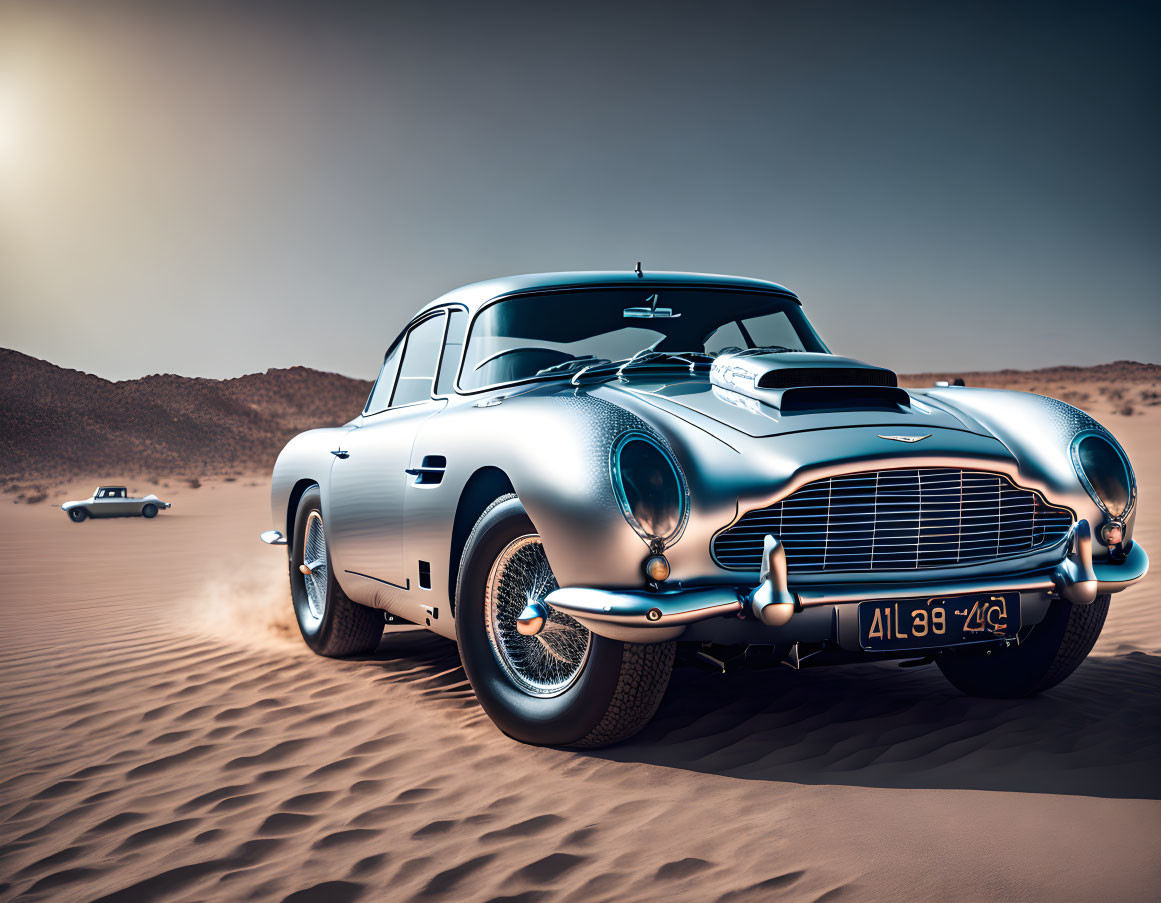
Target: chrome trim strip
x=632, y=608
x=1023, y=583
x=407, y=586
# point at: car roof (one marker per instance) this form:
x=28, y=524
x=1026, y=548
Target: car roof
x=99, y=488
x=478, y=294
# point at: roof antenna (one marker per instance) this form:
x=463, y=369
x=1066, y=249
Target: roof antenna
x=638, y=270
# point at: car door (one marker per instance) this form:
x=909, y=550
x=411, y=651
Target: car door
x=108, y=503
x=364, y=506
x=100, y=504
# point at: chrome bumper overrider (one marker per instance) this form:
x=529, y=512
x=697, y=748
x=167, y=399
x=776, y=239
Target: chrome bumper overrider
x=648, y=617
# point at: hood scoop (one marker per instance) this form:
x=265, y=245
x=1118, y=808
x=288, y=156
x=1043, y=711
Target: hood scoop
x=801, y=382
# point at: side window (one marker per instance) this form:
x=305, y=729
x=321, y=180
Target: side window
x=420, y=355
x=381, y=395
x=445, y=382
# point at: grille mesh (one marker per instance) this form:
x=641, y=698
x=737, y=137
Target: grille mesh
x=896, y=520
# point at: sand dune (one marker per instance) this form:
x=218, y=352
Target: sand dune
x=166, y=736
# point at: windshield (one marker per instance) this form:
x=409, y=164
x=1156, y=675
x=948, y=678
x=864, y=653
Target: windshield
x=558, y=334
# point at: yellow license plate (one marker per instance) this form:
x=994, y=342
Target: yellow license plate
x=936, y=622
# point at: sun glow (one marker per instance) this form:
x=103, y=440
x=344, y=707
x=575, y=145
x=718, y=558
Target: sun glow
x=12, y=128
x=7, y=127
x=19, y=163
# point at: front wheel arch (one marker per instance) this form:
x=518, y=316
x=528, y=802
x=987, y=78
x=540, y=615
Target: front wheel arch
x=292, y=504
x=484, y=487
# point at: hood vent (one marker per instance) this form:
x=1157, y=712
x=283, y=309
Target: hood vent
x=813, y=399
x=798, y=382
x=827, y=376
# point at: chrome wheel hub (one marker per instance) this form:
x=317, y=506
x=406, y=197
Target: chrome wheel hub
x=314, y=566
x=548, y=661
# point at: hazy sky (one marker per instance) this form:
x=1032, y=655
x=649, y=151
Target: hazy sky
x=217, y=188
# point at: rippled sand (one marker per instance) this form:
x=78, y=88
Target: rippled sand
x=164, y=735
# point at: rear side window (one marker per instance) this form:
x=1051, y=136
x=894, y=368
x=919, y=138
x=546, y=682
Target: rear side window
x=420, y=355
x=381, y=395
x=453, y=346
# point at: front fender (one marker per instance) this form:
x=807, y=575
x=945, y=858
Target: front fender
x=554, y=448
x=1038, y=431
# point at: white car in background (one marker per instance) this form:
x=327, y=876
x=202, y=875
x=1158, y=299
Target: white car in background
x=113, y=501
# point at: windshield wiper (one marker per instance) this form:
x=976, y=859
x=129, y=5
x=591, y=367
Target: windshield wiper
x=576, y=363
x=691, y=362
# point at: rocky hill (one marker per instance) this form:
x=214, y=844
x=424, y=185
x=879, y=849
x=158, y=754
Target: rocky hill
x=1122, y=387
x=60, y=423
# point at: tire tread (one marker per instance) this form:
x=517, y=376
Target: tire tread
x=354, y=629
x=1053, y=650
x=644, y=678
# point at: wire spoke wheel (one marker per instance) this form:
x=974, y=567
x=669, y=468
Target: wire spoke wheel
x=548, y=663
x=314, y=557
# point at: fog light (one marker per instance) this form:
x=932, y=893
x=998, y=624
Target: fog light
x=1112, y=533
x=657, y=567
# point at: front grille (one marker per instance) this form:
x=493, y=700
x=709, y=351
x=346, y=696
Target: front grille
x=896, y=520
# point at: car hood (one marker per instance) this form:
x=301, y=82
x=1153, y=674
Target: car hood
x=710, y=407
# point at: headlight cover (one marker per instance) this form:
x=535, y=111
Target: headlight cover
x=650, y=488
x=1105, y=472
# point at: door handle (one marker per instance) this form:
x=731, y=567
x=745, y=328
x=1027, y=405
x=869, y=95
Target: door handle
x=339, y=453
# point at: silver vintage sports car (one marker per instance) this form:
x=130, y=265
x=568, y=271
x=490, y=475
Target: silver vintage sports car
x=113, y=501
x=572, y=473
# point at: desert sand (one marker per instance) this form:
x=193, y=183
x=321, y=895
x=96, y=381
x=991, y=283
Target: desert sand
x=166, y=736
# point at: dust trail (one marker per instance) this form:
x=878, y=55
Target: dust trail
x=249, y=602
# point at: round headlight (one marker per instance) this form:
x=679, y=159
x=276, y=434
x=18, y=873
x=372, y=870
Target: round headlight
x=1105, y=473
x=649, y=488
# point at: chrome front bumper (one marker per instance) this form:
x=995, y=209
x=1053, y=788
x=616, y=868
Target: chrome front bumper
x=640, y=616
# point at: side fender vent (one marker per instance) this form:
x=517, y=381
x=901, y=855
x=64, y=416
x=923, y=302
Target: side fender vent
x=430, y=472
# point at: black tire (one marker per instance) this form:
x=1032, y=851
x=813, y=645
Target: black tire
x=1053, y=650
x=149, y=511
x=614, y=695
x=77, y=515
x=345, y=627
